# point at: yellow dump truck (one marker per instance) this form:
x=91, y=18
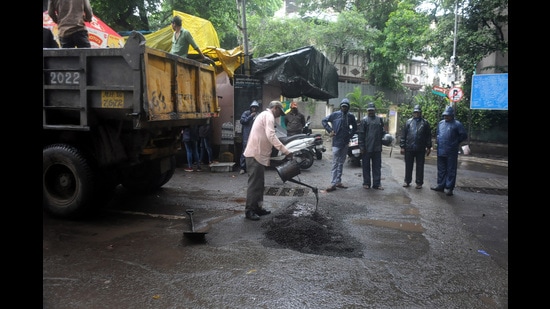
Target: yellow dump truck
x=113, y=116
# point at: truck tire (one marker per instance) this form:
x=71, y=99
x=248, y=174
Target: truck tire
x=168, y=174
x=146, y=178
x=67, y=181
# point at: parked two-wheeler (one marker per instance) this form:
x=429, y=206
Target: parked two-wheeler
x=300, y=145
x=354, y=153
x=319, y=147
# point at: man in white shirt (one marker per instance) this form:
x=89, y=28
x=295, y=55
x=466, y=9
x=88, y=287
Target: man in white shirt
x=257, y=153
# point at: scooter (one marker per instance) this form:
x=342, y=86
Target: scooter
x=319, y=147
x=300, y=145
x=354, y=153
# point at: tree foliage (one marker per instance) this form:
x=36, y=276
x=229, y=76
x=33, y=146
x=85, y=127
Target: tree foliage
x=225, y=15
x=267, y=36
x=384, y=33
x=123, y=15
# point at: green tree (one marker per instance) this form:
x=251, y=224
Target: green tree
x=358, y=102
x=225, y=15
x=400, y=42
x=123, y=15
x=267, y=36
x=359, y=39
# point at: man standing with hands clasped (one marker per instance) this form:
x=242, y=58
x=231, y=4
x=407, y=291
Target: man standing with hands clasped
x=450, y=133
x=370, y=133
x=416, y=145
x=257, y=153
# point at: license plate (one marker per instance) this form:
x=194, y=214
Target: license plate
x=356, y=151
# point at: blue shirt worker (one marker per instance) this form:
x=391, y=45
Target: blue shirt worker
x=247, y=119
x=342, y=127
x=416, y=145
x=450, y=133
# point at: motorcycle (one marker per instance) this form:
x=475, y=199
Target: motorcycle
x=319, y=147
x=300, y=145
x=354, y=153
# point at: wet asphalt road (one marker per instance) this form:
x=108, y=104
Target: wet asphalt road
x=421, y=249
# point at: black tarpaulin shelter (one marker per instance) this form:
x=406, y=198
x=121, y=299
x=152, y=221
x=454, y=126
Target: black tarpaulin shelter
x=302, y=72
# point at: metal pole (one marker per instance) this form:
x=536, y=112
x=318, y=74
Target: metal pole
x=245, y=40
x=453, y=57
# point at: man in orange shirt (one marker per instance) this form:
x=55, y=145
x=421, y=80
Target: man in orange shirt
x=294, y=120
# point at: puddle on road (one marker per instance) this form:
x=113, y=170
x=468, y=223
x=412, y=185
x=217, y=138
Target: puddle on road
x=402, y=226
x=411, y=211
x=398, y=199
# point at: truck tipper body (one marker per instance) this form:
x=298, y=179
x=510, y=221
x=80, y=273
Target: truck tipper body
x=113, y=116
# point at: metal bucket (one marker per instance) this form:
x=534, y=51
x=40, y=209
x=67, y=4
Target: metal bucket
x=288, y=170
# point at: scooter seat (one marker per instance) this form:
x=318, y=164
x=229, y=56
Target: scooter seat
x=286, y=139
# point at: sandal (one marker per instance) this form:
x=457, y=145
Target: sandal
x=366, y=186
x=339, y=185
x=330, y=189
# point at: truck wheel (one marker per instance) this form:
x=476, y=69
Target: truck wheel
x=307, y=159
x=67, y=181
x=146, y=177
x=168, y=174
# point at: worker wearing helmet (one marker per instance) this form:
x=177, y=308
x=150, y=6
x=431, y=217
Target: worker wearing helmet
x=416, y=145
x=450, y=133
x=247, y=119
x=342, y=127
x=371, y=132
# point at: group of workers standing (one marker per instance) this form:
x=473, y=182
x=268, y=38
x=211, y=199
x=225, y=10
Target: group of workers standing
x=415, y=144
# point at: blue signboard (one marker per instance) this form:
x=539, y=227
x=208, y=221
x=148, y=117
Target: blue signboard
x=489, y=91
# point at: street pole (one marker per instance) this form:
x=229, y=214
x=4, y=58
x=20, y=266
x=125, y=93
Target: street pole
x=453, y=57
x=245, y=40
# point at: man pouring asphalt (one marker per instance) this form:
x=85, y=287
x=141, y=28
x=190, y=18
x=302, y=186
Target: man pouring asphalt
x=257, y=153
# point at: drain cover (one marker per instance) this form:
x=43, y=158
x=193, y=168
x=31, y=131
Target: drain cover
x=283, y=191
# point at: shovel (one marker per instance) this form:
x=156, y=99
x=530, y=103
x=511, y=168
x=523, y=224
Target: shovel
x=192, y=234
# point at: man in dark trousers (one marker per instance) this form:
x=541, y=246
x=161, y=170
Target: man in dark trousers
x=370, y=132
x=70, y=15
x=258, y=154
x=450, y=133
x=416, y=145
